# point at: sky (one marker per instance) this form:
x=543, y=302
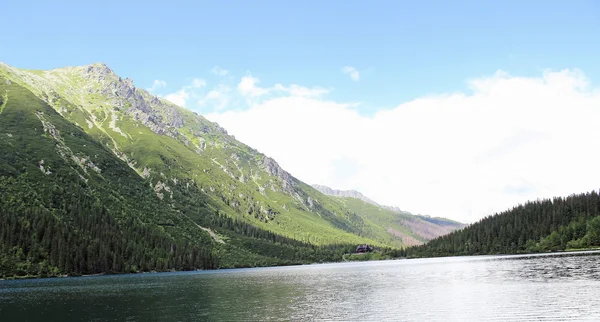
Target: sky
x=457, y=109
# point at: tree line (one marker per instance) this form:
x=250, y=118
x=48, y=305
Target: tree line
x=559, y=223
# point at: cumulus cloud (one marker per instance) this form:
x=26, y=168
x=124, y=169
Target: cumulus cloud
x=248, y=86
x=157, y=85
x=219, y=71
x=218, y=98
x=248, y=92
x=352, y=72
x=179, y=97
x=198, y=83
x=191, y=90
x=460, y=155
x=297, y=90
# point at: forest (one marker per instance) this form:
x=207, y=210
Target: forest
x=63, y=214
x=561, y=223
x=86, y=239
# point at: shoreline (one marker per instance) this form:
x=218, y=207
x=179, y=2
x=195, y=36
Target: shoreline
x=343, y=260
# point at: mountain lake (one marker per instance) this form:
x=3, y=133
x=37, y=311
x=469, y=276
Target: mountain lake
x=544, y=287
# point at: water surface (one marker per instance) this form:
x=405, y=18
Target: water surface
x=481, y=288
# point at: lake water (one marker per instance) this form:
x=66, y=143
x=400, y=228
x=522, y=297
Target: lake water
x=482, y=288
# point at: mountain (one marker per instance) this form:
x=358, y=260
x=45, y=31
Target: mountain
x=175, y=150
x=354, y=194
x=554, y=224
x=98, y=176
x=411, y=229
x=343, y=193
x=357, y=195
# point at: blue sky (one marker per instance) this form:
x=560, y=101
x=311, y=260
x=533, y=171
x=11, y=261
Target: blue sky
x=465, y=102
x=401, y=49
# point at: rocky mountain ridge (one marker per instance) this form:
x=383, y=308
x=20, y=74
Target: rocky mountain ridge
x=354, y=194
x=343, y=193
x=182, y=154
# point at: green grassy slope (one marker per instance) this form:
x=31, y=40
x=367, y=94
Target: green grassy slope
x=399, y=228
x=394, y=226
x=53, y=173
x=178, y=147
x=69, y=206
x=389, y=224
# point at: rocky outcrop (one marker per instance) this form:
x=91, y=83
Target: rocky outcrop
x=160, y=116
x=159, y=187
x=143, y=107
x=84, y=84
x=98, y=72
x=272, y=167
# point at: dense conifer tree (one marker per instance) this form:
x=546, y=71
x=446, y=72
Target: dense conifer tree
x=542, y=225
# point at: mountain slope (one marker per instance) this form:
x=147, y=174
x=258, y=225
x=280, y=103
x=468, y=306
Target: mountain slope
x=171, y=146
x=57, y=182
x=89, y=152
x=543, y=225
x=353, y=194
x=411, y=229
x=70, y=206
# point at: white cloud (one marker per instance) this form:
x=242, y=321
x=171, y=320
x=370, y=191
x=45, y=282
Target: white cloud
x=458, y=155
x=297, y=90
x=198, y=83
x=157, y=84
x=218, y=98
x=248, y=87
x=179, y=97
x=186, y=92
x=352, y=72
x=219, y=71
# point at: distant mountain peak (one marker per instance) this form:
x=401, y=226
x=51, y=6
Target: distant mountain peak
x=356, y=195
x=100, y=68
x=344, y=193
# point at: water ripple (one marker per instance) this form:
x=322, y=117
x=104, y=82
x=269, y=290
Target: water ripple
x=558, y=287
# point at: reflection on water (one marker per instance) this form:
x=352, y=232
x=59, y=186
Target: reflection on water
x=493, y=288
